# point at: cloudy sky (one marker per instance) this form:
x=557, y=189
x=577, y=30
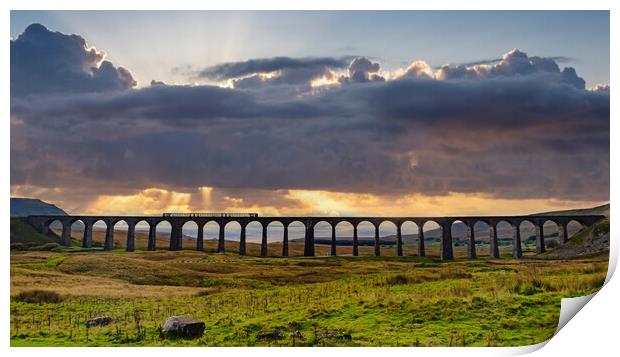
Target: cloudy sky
x=338, y=113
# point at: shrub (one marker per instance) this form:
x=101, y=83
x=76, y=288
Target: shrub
x=601, y=227
x=479, y=301
x=38, y=297
x=530, y=290
x=400, y=279
x=397, y=280
x=203, y=293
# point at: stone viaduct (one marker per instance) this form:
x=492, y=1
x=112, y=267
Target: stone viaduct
x=42, y=224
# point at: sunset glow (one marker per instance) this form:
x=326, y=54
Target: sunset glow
x=154, y=201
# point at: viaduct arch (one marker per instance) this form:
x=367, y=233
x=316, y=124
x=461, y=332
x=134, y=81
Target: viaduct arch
x=42, y=224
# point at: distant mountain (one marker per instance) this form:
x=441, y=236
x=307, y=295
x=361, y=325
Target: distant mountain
x=23, y=207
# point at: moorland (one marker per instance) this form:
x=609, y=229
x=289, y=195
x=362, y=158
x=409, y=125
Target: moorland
x=295, y=301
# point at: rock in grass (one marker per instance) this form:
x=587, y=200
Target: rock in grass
x=334, y=334
x=182, y=327
x=275, y=334
x=98, y=321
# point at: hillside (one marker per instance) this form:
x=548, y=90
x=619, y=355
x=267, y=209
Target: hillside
x=602, y=210
x=22, y=232
x=23, y=207
x=591, y=241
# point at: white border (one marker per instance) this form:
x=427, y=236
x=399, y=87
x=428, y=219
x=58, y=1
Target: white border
x=592, y=331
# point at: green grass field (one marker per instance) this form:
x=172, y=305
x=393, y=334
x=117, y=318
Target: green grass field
x=322, y=301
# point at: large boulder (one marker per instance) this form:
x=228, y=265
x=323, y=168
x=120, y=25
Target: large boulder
x=182, y=327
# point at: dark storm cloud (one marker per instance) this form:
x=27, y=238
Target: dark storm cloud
x=160, y=104
x=43, y=61
x=259, y=73
x=522, y=128
x=266, y=65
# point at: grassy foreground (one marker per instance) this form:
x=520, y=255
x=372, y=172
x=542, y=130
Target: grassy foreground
x=327, y=301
